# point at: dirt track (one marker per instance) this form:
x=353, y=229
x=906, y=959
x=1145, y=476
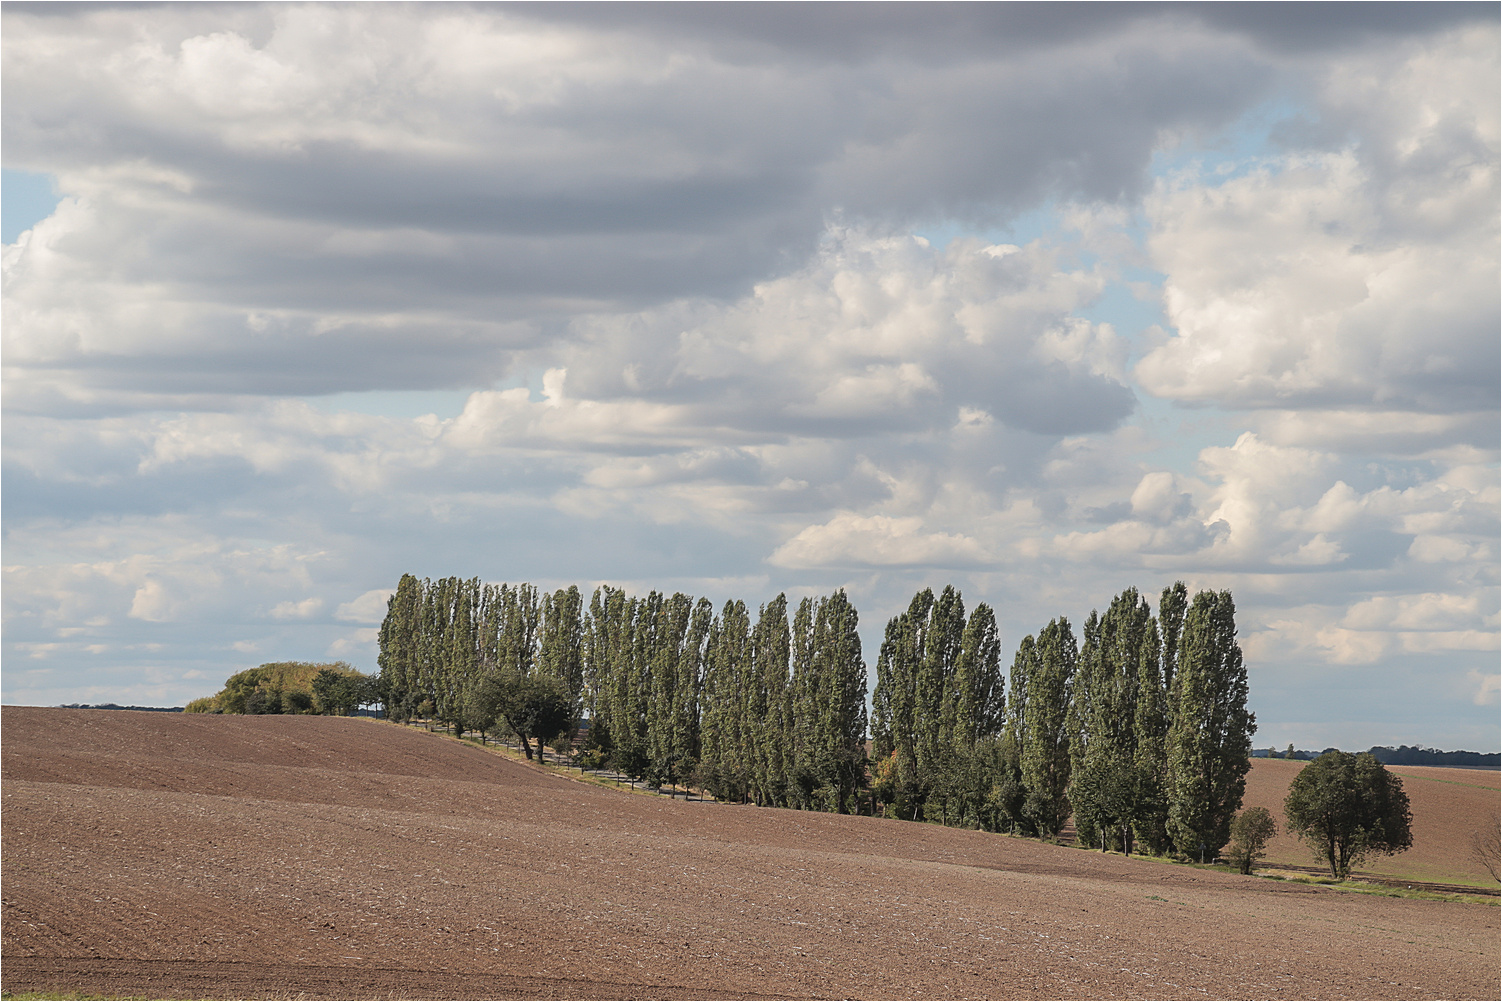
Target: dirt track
x=198, y=856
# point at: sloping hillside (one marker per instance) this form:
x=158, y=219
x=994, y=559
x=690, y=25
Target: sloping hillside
x=163, y=854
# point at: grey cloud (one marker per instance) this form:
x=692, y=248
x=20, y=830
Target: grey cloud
x=1307, y=27
x=431, y=203
x=944, y=30
x=713, y=172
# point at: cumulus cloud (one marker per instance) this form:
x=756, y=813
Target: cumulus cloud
x=314, y=199
x=668, y=258
x=1362, y=277
x=876, y=540
x=367, y=608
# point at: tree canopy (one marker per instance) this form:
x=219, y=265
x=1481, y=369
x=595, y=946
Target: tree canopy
x=291, y=687
x=1347, y=807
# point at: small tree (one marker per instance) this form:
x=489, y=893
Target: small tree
x=329, y=690
x=1486, y=849
x=1252, y=829
x=480, y=709
x=1347, y=807
x=534, y=707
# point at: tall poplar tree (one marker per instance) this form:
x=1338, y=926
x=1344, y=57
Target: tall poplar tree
x=562, y=645
x=670, y=639
x=804, y=774
x=1045, y=749
x=1150, y=723
x=1210, y=735
x=772, y=657
x=1105, y=788
x=979, y=694
x=839, y=700
x=686, y=731
x=934, y=698
x=1171, y=607
x=399, y=639
x=1024, y=667
x=725, y=769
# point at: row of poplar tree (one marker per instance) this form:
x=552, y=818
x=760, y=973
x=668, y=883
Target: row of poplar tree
x=772, y=711
x=1138, y=729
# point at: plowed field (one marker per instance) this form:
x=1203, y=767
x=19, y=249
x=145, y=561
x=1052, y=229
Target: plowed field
x=1448, y=806
x=176, y=855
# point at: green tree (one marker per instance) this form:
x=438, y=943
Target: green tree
x=935, y=705
x=668, y=647
x=561, y=653
x=1109, y=791
x=723, y=764
x=533, y=707
x=803, y=775
x=1252, y=829
x=1210, y=736
x=1023, y=668
x=399, y=638
x=238, y=689
x=838, y=701
x=332, y=692
x=980, y=695
x=771, y=653
x=1172, y=605
x=1045, y=747
x=481, y=708
x=895, y=708
x=1347, y=807
x=684, y=753
x=1150, y=821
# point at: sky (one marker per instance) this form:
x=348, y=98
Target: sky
x=1045, y=302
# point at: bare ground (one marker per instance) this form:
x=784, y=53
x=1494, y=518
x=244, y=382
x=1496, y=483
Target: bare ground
x=176, y=855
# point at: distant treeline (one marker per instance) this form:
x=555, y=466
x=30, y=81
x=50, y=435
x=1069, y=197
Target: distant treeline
x=1401, y=755
x=1140, y=730
x=1406, y=755
x=117, y=706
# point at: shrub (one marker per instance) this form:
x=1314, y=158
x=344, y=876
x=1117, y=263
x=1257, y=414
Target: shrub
x=1251, y=830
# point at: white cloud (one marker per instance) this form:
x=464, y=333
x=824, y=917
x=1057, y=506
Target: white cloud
x=1487, y=687
x=367, y=608
x=879, y=541
x=1358, y=278
x=305, y=609
x=352, y=644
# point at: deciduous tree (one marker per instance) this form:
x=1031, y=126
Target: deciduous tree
x=1347, y=807
x=1252, y=829
x=1210, y=735
x=1045, y=748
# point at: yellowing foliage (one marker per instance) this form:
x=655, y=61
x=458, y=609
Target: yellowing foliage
x=277, y=687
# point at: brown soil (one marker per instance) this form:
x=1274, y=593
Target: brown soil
x=174, y=855
x=1449, y=805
